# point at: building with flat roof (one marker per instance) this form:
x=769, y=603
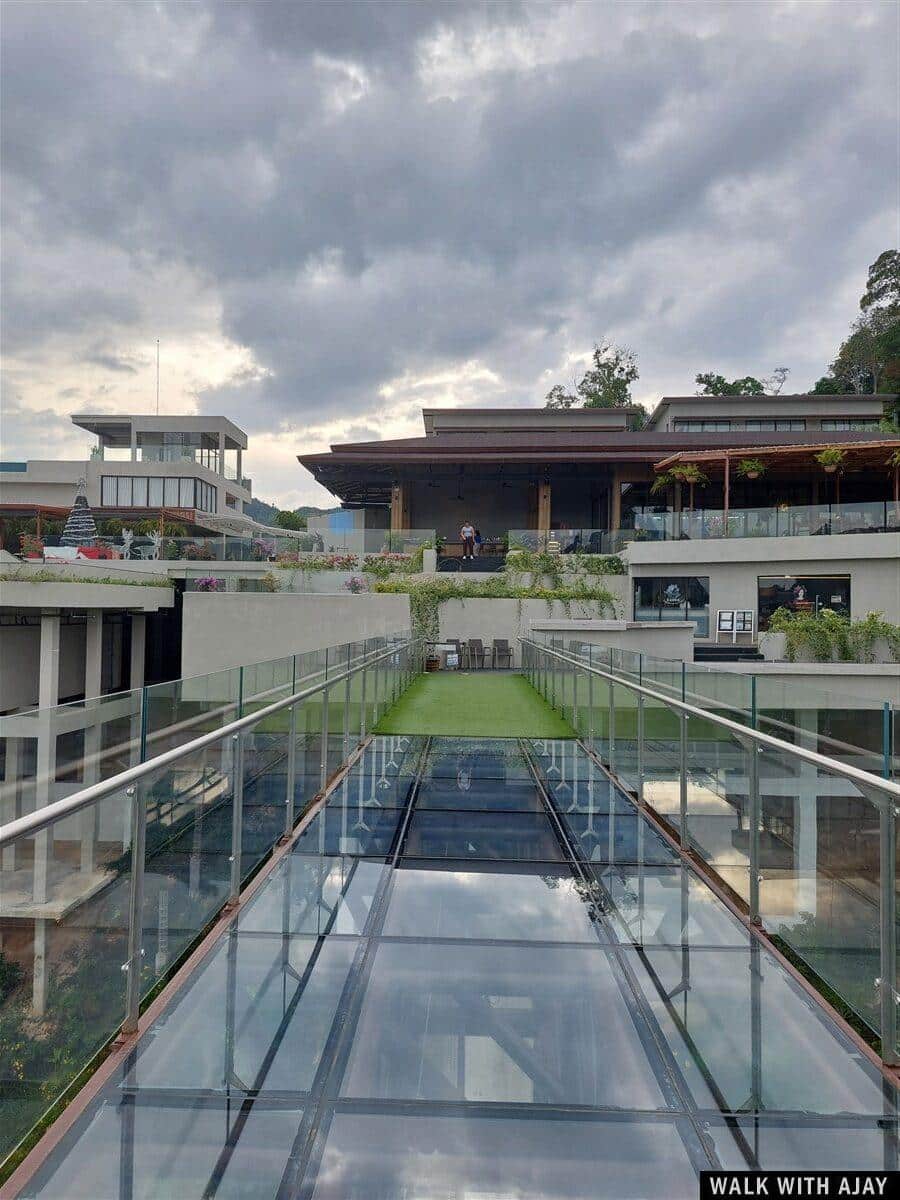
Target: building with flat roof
x=189, y=467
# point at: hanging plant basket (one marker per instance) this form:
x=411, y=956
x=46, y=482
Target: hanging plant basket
x=753, y=474
x=829, y=468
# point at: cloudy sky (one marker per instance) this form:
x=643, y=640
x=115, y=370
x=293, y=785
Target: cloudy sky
x=332, y=214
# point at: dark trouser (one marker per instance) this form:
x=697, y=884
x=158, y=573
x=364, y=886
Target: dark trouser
x=468, y=547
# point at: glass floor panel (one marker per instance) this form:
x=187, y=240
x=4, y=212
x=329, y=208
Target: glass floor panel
x=314, y=896
x=167, y=1151
x=513, y=837
x=370, y=1157
x=465, y=792
x=481, y=1018
x=617, y=838
x=665, y=906
x=350, y=831
x=748, y=1037
x=510, y=1024
x=255, y=1017
x=540, y=904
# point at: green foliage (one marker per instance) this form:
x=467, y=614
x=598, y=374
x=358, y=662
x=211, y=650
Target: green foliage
x=711, y=384
x=383, y=565
x=46, y=575
x=827, y=636
x=285, y=519
x=750, y=466
x=606, y=384
x=832, y=457
x=427, y=595
x=868, y=360
x=829, y=386
x=269, y=583
x=894, y=460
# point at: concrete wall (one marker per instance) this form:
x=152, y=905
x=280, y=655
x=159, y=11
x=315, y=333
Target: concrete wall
x=230, y=630
x=737, y=409
x=734, y=566
x=20, y=649
x=665, y=639
x=490, y=618
x=850, y=685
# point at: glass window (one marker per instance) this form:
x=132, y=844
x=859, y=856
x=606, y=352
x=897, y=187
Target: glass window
x=139, y=493
x=123, y=492
x=155, y=492
x=785, y=425
x=842, y=424
x=170, y=492
x=186, y=493
x=673, y=598
x=108, y=491
x=802, y=593
x=685, y=425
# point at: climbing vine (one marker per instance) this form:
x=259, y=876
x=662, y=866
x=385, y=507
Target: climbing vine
x=829, y=635
x=427, y=595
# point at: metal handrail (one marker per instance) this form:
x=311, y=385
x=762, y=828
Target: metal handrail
x=863, y=779
x=40, y=819
x=883, y=794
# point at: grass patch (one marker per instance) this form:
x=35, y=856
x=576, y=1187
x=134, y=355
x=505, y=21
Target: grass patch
x=473, y=704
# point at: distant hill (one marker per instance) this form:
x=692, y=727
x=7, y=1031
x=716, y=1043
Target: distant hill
x=258, y=510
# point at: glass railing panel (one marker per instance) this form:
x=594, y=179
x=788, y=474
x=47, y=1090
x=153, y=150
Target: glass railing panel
x=189, y=809
x=718, y=807
x=831, y=722
x=62, y=995
x=820, y=875
x=183, y=709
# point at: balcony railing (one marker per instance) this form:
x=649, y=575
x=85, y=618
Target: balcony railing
x=807, y=839
x=797, y=520
x=172, y=796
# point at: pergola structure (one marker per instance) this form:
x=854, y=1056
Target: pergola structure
x=858, y=456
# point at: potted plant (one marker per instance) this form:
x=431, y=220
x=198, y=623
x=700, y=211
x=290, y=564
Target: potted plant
x=830, y=460
x=750, y=468
x=31, y=545
x=690, y=474
x=209, y=583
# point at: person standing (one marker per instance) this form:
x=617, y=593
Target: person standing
x=478, y=540
x=467, y=533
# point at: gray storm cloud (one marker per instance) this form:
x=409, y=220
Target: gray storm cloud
x=365, y=191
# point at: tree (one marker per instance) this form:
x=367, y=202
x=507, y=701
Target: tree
x=606, y=384
x=776, y=381
x=285, y=519
x=883, y=283
x=717, y=385
x=829, y=386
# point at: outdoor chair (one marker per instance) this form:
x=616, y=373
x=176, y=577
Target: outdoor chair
x=476, y=653
x=502, y=654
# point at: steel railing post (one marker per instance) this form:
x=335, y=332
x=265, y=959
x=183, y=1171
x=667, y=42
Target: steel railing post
x=323, y=749
x=590, y=697
x=755, y=816
x=612, y=727
x=575, y=700
x=290, y=785
x=886, y=739
x=640, y=750
x=888, y=930
x=237, y=817
x=347, y=683
x=682, y=778
x=362, y=699
x=132, y=967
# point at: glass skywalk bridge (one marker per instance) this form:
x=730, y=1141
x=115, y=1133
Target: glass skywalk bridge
x=477, y=970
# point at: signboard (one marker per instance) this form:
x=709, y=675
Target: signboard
x=732, y=621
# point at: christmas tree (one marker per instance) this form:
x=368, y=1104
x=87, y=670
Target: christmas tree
x=80, y=529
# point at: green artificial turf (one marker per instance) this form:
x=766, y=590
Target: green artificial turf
x=473, y=704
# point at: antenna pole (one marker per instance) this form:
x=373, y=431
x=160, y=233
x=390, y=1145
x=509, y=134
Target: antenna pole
x=157, y=376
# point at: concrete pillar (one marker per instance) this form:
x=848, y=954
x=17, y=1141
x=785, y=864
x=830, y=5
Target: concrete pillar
x=45, y=778
x=240, y=465
x=133, y=445
x=543, y=506
x=221, y=454
x=138, y=649
x=93, y=735
x=93, y=653
x=615, y=501
x=10, y=793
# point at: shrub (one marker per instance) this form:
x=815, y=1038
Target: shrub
x=209, y=583
x=750, y=466
x=828, y=635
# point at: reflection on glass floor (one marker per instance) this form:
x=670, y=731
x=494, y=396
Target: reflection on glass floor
x=468, y=982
